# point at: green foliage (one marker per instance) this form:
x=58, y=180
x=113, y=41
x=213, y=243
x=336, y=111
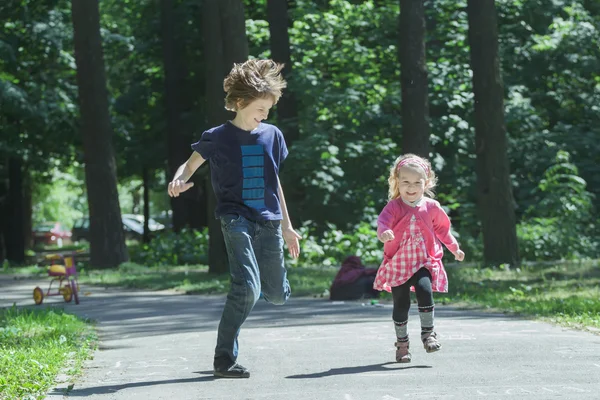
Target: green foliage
x=37, y=82
x=334, y=245
x=35, y=346
x=63, y=199
x=561, y=225
x=347, y=85
x=170, y=248
x=347, y=82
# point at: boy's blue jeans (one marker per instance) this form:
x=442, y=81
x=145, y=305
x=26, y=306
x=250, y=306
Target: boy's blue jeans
x=255, y=250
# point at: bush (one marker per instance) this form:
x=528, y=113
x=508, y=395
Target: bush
x=170, y=248
x=561, y=225
x=334, y=245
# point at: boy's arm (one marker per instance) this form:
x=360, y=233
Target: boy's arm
x=289, y=234
x=184, y=172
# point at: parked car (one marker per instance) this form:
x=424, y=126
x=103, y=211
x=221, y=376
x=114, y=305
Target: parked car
x=50, y=233
x=153, y=225
x=133, y=229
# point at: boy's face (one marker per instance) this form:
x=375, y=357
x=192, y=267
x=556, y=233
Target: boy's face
x=255, y=112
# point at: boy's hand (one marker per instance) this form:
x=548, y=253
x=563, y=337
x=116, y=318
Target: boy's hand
x=386, y=236
x=178, y=186
x=459, y=255
x=291, y=240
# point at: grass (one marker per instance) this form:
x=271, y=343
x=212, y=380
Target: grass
x=31, y=270
x=563, y=293
x=195, y=279
x=37, y=345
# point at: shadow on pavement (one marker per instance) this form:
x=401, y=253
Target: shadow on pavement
x=356, y=370
x=115, y=388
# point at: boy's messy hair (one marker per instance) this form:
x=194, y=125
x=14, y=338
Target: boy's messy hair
x=417, y=164
x=251, y=80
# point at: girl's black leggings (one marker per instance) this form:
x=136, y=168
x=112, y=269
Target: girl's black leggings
x=421, y=280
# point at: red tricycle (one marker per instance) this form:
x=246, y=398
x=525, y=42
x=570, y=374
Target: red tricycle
x=62, y=269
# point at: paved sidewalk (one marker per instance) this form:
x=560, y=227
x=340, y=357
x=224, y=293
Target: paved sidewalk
x=160, y=346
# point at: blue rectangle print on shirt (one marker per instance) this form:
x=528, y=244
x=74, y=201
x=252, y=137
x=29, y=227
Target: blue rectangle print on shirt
x=253, y=160
x=252, y=150
x=254, y=183
x=254, y=172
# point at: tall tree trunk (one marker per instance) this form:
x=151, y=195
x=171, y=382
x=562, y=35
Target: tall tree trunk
x=287, y=108
x=3, y=205
x=224, y=31
x=233, y=30
x=14, y=233
x=146, y=194
x=176, y=143
x=216, y=114
x=107, y=241
x=496, y=204
x=413, y=77
x=27, y=210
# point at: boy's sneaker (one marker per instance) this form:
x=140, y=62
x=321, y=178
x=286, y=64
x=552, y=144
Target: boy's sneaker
x=430, y=342
x=402, y=353
x=235, y=371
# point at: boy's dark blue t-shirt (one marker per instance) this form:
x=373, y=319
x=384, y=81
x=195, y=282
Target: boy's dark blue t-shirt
x=244, y=167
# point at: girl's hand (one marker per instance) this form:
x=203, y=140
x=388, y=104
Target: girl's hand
x=386, y=236
x=459, y=255
x=178, y=186
x=291, y=238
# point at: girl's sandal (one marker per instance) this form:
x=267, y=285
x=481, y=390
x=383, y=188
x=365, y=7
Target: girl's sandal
x=430, y=342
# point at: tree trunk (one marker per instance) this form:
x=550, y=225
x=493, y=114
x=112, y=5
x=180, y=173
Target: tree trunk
x=3, y=205
x=176, y=143
x=216, y=114
x=413, y=77
x=496, y=204
x=287, y=108
x=107, y=241
x=234, y=40
x=14, y=233
x=146, y=194
x=224, y=31
x=27, y=210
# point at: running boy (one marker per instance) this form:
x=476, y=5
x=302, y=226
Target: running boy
x=245, y=156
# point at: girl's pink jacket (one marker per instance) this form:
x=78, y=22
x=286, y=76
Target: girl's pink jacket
x=431, y=218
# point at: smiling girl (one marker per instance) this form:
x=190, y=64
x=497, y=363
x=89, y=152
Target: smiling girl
x=412, y=227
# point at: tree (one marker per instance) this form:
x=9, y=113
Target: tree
x=14, y=235
x=224, y=44
x=216, y=114
x=495, y=198
x=35, y=107
x=287, y=108
x=413, y=76
x=107, y=241
x=178, y=139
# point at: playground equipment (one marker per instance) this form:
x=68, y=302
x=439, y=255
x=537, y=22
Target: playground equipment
x=62, y=269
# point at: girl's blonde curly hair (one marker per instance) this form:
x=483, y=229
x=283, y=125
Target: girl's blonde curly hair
x=251, y=80
x=416, y=164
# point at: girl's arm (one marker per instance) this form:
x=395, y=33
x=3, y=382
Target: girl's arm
x=441, y=227
x=387, y=219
